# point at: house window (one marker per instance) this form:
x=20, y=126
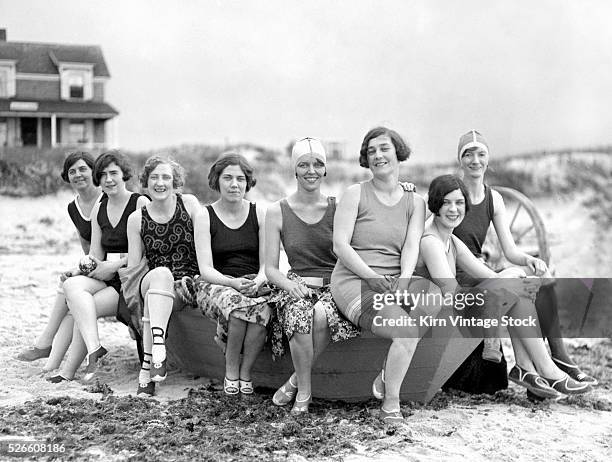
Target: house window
x=76, y=86
x=76, y=81
x=3, y=83
x=7, y=79
x=3, y=133
x=76, y=132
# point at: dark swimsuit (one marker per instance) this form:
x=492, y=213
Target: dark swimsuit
x=477, y=375
x=114, y=239
x=235, y=251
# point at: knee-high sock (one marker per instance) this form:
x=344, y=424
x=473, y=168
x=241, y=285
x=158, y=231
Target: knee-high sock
x=144, y=376
x=160, y=308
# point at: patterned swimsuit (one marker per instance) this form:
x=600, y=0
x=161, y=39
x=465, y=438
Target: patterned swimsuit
x=170, y=244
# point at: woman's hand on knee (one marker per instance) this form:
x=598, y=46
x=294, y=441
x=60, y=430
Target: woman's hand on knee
x=526, y=287
x=536, y=265
x=68, y=274
x=381, y=284
x=104, y=270
x=246, y=287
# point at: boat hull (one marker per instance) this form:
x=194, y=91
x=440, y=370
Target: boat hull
x=345, y=370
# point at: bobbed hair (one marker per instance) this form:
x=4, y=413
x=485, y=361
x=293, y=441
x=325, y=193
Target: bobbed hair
x=402, y=151
x=225, y=160
x=109, y=157
x=73, y=158
x=178, y=173
x=440, y=187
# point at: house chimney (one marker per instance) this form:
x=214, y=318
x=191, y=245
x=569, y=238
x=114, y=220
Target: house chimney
x=2, y=35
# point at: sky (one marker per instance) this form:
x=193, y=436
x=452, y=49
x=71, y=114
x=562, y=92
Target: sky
x=530, y=75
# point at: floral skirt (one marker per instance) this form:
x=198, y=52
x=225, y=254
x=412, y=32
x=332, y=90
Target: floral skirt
x=296, y=317
x=218, y=302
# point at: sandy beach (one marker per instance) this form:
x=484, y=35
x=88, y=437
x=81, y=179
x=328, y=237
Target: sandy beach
x=34, y=248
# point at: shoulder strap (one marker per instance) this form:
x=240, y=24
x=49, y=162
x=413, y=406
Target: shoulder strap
x=212, y=219
x=253, y=215
x=489, y=202
x=180, y=205
x=410, y=205
x=102, y=215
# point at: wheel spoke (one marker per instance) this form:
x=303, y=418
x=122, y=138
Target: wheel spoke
x=518, y=238
x=516, y=212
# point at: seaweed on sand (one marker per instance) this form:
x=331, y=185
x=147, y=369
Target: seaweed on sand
x=207, y=425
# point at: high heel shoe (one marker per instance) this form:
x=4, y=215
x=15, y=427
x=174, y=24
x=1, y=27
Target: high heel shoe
x=92, y=363
x=146, y=389
x=34, y=353
x=301, y=406
x=378, y=386
x=231, y=387
x=158, y=369
x=59, y=378
x=394, y=417
x=285, y=394
x=246, y=387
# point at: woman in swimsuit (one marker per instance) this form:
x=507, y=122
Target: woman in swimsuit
x=306, y=313
x=232, y=267
x=53, y=342
x=443, y=253
x=97, y=294
x=377, y=228
x=164, y=231
x=487, y=206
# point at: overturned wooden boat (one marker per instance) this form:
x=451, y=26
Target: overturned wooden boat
x=345, y=370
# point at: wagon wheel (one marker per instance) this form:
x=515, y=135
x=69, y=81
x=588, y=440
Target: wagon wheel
x=526, y=226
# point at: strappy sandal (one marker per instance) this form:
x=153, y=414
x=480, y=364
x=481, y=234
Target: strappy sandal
x=575, y=373
x=231, y=387
x=394, y=417
x=146, y=388
x=246, y=387
x=158, y=370
x=532, y=381
x=301, y=406
x=285, y=394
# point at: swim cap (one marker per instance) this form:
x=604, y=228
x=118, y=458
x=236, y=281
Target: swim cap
x=471, y=139
x=307, y=145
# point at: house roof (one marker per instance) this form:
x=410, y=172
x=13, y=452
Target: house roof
x=60, y=109
x=38, y=58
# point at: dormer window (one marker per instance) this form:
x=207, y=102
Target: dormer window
x=76, y=86
x=76, y=81
x=7, y=79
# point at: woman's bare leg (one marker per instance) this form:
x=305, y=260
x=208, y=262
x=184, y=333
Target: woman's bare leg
x=254, y=339
x=80, y=292
x=235, y=338
x=56, y=317
x=61, y=343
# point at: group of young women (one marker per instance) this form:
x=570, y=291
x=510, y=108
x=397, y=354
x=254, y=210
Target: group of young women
x=224, y=258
